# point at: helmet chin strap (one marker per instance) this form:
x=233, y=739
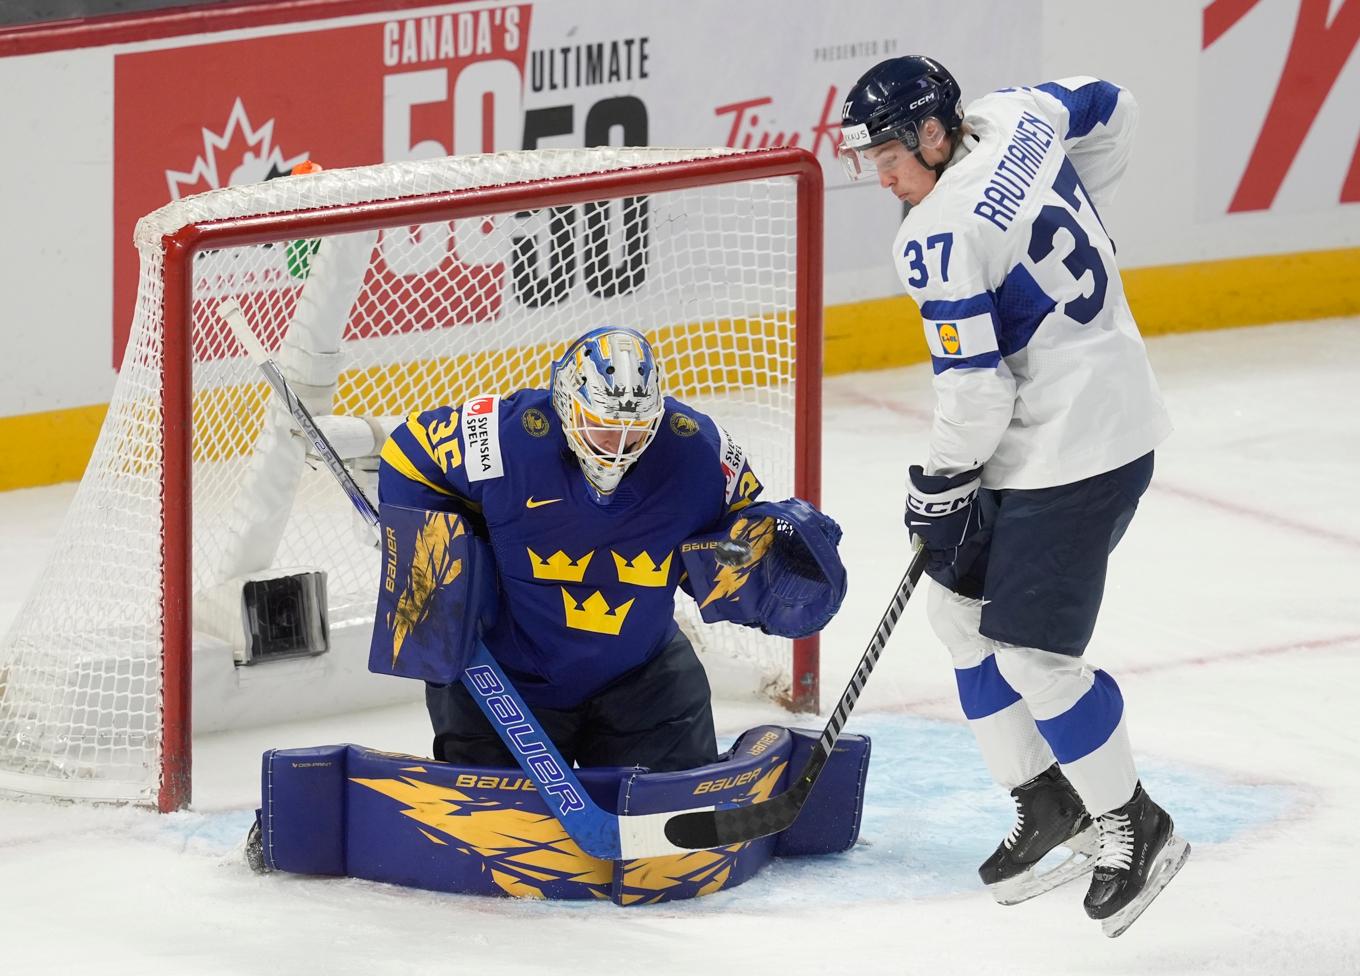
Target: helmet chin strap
x=936, y=168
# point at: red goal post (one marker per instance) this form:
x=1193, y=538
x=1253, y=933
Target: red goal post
x=761, y=211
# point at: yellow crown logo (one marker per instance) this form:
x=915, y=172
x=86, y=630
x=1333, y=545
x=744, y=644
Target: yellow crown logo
x=595, y=614
x=641, y=571
x=559, y=566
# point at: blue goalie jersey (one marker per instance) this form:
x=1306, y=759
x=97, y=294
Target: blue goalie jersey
x=587, y=583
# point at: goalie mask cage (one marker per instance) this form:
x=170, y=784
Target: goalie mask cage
x=382, y=291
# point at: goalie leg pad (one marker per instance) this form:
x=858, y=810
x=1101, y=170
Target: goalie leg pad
x=350, y=811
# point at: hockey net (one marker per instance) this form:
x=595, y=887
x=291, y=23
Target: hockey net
x=381, y=291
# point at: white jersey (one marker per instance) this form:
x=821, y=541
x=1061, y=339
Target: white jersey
x=1041, y=376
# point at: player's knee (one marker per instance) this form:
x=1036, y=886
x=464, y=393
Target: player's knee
x=1050, y=683
x=955, y=620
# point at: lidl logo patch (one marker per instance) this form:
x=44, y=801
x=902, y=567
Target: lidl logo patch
x=949, y=338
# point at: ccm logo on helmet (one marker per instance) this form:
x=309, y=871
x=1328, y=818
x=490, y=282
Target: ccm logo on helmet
x=928, y=97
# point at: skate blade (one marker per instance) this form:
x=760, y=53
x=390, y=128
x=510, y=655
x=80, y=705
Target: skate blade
x=1170, y=860
x=1023, y=887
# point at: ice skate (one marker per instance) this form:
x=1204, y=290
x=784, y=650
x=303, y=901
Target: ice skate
x=1049, y=814
x=1139, y=855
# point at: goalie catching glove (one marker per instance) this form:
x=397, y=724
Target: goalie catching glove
x=774, y=566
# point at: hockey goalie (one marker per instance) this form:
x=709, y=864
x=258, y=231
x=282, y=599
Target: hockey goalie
x=545, y=526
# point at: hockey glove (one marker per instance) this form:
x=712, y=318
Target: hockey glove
x=774, y=566
x=941, y=511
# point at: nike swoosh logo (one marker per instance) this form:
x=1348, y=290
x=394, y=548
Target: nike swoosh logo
x=533, y=503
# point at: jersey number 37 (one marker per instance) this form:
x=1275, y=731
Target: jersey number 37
x=1083, y=257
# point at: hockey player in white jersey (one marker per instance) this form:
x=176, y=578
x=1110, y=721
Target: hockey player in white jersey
x=1046, y=417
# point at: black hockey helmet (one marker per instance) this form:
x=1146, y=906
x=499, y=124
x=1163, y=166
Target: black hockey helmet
x=890, y=102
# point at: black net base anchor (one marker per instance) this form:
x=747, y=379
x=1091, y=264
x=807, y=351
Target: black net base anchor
x=285, y=617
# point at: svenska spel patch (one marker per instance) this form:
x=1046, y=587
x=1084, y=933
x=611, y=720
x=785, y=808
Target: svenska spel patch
x=482, y=438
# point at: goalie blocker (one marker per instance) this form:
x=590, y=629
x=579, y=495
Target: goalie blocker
x=438, y=594
x=773, y=566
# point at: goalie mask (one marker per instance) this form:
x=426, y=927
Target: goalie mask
x=606, y=390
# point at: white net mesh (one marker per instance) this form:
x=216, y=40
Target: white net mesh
x=377, y=324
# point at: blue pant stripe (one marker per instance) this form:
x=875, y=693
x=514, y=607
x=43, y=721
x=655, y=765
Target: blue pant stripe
x=982, y=690
x=1088, y=724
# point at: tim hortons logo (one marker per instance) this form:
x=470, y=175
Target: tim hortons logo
x=595, y=614
x=242, y=153
x=641, y=570
x=752, y=126
x=1325, y=36
x=559, y=567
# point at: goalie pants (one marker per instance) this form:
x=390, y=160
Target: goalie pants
x=1016, y=612
x=658, y=716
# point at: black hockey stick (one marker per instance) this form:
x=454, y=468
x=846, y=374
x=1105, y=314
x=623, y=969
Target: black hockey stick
x=706, y=829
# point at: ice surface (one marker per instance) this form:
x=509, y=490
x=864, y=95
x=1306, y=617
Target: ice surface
x=1230, y=620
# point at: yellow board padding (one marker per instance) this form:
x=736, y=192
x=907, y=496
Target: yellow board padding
x=48, y=448
x=54, y=446
x=1245, y=291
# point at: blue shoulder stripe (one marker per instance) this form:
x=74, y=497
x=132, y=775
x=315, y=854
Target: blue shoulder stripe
x=1090, y=104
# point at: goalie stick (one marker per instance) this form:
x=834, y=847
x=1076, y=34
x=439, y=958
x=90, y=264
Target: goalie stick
x=597, y=832
x=703, y=829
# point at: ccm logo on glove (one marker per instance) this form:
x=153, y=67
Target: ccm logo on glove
x=934, y=496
